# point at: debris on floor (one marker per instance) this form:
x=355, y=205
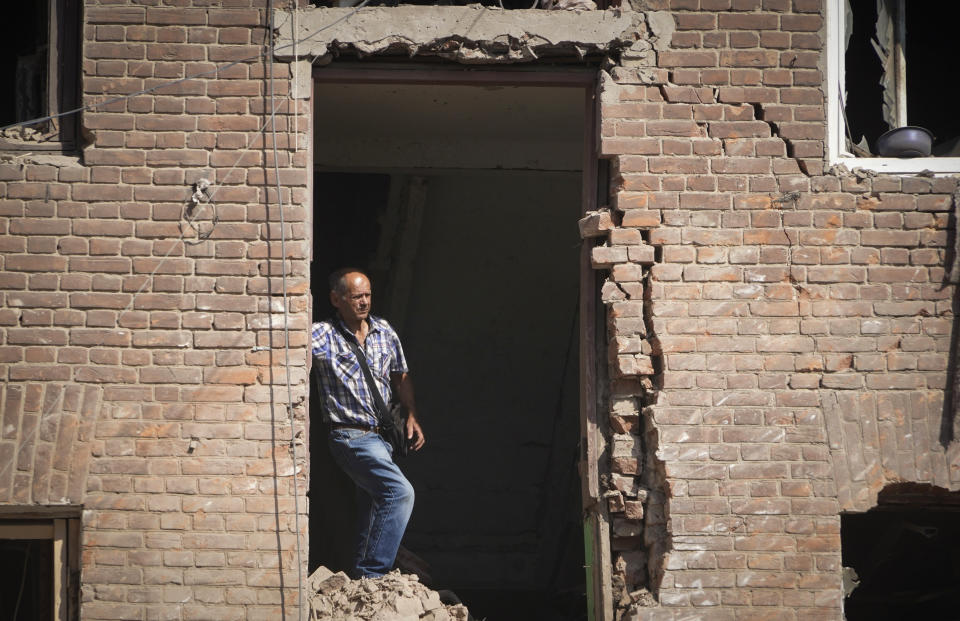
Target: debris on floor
x=394, y=597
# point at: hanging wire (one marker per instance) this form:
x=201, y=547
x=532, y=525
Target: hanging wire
x=271, y=50
x=23, y=580
x=208, y=197
x=286, y=313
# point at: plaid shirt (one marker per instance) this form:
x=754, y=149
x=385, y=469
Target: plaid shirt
x=346, y=396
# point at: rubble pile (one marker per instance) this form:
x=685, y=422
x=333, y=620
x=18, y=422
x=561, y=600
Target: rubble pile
x=394, y=597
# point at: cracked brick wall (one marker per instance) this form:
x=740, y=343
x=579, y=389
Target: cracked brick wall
x=779, y=332
x=141, y=331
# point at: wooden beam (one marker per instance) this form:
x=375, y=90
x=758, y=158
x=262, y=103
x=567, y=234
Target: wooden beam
x=900, y=61
x=73, y=569
x=61, y=570
x=26, y=531
x=588, y=312
x=460, y=76
x=592, y=356
x=54, y=17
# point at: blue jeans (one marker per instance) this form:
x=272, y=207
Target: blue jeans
x=384, y=497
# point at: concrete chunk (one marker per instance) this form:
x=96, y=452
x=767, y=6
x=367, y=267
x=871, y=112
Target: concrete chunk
x=466, y=34
x=393, y=597
x=596, y=224
x=439, y=614
x=431, y=601
x=321, y=574
x=333, y=582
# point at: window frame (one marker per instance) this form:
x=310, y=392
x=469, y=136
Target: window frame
x=836, y=128
x=64, y=532
x=63, y=79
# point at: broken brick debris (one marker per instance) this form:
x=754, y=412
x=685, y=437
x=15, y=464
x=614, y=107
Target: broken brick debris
x=393, y=597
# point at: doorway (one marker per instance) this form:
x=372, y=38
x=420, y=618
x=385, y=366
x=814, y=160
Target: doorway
x=460, y=197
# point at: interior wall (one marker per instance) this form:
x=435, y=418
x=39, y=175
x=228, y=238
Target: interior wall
x=491, y=335
x=451, y=126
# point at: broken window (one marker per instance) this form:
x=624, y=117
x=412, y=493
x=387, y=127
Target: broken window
x=39, y=76
x=887, y=71
x=39, y=569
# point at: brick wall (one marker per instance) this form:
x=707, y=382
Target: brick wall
x=780, y=333
x=143, y=355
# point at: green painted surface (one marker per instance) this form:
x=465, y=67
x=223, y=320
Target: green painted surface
x=588, y=530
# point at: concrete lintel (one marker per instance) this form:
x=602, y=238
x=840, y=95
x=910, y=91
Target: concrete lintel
x=466, y=34
x=22, y=158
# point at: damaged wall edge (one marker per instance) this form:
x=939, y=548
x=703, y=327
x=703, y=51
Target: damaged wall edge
x=635, y=485
x=471, y=34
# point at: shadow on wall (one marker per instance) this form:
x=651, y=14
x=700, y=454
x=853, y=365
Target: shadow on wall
x=951, y=278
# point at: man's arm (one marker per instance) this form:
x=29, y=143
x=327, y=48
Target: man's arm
x=403, y=387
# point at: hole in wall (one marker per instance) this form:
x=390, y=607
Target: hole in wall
x=26, y=578
x=462, y=203
x=902, y=559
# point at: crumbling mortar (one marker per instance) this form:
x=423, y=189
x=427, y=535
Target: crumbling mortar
x=801, y=292
x=656, y=356
x=613, y=282
x=652, y=482
x=505, y=48
x=617, y=217
x=758, y=114
x=656, y=532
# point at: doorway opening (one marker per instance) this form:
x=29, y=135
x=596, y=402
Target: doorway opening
x=901, y=559
x=460, y=198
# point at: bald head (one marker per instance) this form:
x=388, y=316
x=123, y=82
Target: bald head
x=338, y=279
x=350, y=295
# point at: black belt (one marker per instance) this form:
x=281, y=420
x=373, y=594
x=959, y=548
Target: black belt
x=354, y=426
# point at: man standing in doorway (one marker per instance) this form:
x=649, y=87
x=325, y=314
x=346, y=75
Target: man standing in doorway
x=384, y=496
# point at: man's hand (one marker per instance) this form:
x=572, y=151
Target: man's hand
x=403, y=385
x=414, y=433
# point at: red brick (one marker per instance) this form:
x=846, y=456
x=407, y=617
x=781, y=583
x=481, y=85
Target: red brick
x=687, y=59
x=114, y=50
x=801, y=23
x=744, y=58
x=35, y=263
x=234, y=17
x=748, y=21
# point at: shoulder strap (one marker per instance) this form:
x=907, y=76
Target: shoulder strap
x=367, y=375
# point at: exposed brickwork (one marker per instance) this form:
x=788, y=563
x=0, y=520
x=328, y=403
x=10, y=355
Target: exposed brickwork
x=785, y=356
x=46, y=447
x=139, y=349
x=887, y=437
x=779, y=334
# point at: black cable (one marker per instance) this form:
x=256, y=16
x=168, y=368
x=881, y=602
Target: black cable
x=286, y=314
x=23, y=580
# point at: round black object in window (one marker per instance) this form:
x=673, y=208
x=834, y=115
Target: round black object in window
x=906, y=141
